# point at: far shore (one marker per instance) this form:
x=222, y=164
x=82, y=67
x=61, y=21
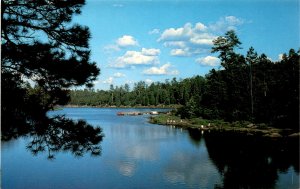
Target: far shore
x=244, y=128
x=125, y=107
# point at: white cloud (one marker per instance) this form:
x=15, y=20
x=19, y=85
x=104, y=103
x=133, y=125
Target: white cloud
x=118, y=75
x=131, y=58
x=129, y=81
x=178, y=34
x=109, y=80
x=187, y=40
x=163, y=70
x=201, y=27
x=208, y=61
x=122, y=42
x=126, y=40
x=202, y=39
x=171, y=34
x=232, y=20
x=192, y=39
x=180, y=52
x=178, y=44
x=226, y=23
x=148, y=81
x=154, y=31
x=150, y=52
x=280, y=57
x=96, y=82
x=135, y=57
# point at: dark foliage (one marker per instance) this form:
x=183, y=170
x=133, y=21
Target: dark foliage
x=62, y=134
x=41, y=46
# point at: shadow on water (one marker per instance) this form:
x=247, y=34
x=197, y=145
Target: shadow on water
x=195, y=136
x=57, y=134
x=248, y=161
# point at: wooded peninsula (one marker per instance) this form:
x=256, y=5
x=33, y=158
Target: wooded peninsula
x=246, y=88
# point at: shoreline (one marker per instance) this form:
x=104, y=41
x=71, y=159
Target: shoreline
x=125, y=107
x=243, y=128
x=212, y=125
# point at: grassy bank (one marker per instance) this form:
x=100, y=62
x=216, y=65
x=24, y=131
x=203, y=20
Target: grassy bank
x=246, y=128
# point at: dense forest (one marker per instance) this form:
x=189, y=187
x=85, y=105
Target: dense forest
x=156, y=94
x=248, y=87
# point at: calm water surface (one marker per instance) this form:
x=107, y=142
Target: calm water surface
x=136, y=154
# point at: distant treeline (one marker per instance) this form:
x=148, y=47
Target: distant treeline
x=248, y=88
x=156, y=94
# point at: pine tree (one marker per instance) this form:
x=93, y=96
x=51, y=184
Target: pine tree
x=40, y=44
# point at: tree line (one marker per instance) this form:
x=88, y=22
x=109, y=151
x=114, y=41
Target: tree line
x=156, y=94
x=248, y=87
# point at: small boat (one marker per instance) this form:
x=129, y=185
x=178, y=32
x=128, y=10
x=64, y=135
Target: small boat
x=154, y=113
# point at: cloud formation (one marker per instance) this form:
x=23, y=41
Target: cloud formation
x=133, y=58
x=109, y=80
x=126, y=40
x=192, y=39
x=118, y=75
x=280, y=57
x=122, y=42
x=208, y=61
x=148, y=81
x=226, y=23
x=163, y=70
x=154, y=31
x=129, y=82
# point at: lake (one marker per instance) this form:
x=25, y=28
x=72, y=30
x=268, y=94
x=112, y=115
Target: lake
x=137, y=154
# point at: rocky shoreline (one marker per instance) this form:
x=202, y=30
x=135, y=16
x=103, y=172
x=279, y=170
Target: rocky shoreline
x=249, y=129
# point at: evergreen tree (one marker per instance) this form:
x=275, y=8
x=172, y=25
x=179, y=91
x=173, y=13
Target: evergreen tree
x=251, y=59
x=226, y=45
x=41, y=45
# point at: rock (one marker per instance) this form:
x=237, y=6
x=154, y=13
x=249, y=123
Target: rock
x=294, y=135
x=273, y=135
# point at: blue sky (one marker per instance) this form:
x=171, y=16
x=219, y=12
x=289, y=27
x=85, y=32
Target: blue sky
x=160, y=39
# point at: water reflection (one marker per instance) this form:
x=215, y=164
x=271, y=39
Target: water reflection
x=250, y=162
x=145, y=151
x=56, y=134
x=127, y=168
x=195, y=136
x=195, y=170
x=141, y=155
x=134, y=144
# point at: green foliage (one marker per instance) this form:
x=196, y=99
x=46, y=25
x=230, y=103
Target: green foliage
x=200, y=121
x=226, y=45
x=253, y=88
x=155, y=94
